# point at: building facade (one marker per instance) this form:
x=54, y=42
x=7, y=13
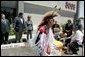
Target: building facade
x=37, y=8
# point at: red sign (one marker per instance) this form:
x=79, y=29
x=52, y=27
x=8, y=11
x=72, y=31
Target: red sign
x=69, y=6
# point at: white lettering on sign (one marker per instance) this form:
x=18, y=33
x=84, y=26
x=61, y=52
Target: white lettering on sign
x=12, y=45
x=69, y=6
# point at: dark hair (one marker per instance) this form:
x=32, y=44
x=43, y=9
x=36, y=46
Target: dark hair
x=69, y=20
x=44, y=22
x=28, y=16
x=78, y=20
x=75, y=27
x=20, y=14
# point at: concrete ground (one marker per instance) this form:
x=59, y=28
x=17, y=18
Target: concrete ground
x=26, y=50
x=19, y=51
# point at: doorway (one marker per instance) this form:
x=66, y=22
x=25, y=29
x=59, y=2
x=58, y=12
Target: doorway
x=10, y=13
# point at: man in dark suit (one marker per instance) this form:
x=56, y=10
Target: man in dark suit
x=19, y=26
x=68, y=30
x=5, y=28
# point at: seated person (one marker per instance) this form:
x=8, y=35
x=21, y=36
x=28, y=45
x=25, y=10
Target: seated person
x=69, y=28
x=56, y=33
x=56, y=30
x=76, y=40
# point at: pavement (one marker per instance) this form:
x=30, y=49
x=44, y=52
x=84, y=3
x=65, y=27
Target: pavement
x=24, y=49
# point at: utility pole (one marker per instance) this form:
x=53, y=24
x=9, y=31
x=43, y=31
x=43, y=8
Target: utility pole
x=77, y=12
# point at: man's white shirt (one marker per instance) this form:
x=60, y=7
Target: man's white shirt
x=78, y=36
x=21, y=20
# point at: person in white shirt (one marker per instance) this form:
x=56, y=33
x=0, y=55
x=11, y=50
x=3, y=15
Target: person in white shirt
x=76, y=40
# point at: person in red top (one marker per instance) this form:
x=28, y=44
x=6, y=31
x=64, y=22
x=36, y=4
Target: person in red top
x=45, y=35
x=46, y=23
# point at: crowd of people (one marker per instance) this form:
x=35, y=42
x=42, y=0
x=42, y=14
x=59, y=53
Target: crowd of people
x=49, y=31
x=19, y=25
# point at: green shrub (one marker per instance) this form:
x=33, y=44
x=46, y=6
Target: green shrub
x=12, y=31
x=25, y=31
x=63, y=26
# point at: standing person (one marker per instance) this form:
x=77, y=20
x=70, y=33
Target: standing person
x=78, y=24
x=45, y=35
x=56, y=29
x=5, y=28
x=29, y=26
x=19, y=26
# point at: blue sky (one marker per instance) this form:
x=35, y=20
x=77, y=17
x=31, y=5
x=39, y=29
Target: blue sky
x=81, y=11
